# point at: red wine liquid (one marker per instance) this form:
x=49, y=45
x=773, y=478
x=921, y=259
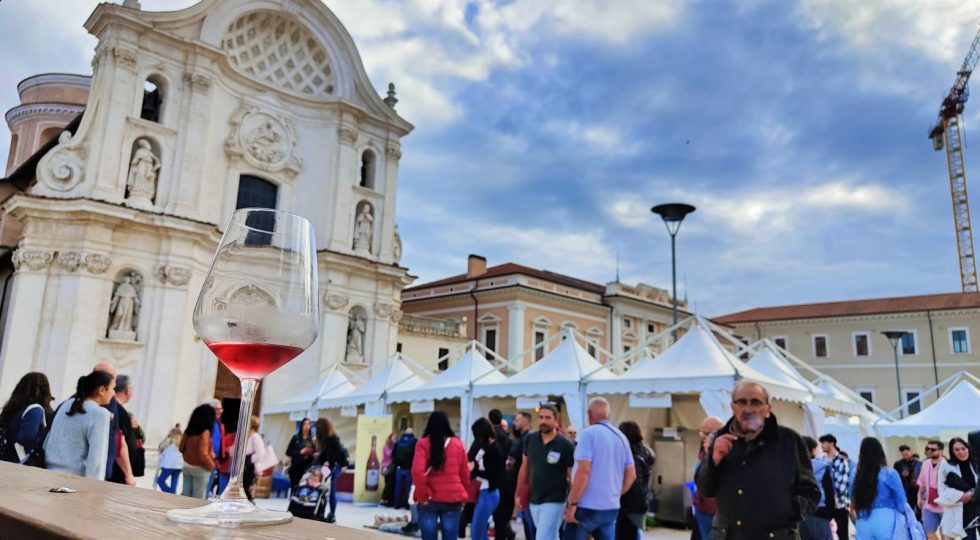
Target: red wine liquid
x=253, y=360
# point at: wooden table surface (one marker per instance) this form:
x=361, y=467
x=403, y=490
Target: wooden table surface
x=103, y=511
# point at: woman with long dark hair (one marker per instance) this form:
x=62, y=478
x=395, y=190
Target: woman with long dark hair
x=25, y=417
x=487, y=464
x=958, y=477
x=633, y=503
x=198, y=452
x=330, y=452
x=78, y=441
x=300, y=451
x=877, y=496
x=441, y=476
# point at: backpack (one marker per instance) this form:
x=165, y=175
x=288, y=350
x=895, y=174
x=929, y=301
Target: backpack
x=404, y=453
x=34, y=456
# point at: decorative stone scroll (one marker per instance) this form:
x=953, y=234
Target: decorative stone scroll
x=264, y=140
x=61, y=168
x=32, y=259
x=335, y=302
x=97, y=263
x=383, y=310
x=70, y=260
x=174, y=275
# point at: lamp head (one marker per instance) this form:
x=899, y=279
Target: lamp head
x=672, y=214
x=894, y=336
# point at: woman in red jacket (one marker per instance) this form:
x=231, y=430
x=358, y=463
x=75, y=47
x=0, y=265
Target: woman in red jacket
x=441, y=475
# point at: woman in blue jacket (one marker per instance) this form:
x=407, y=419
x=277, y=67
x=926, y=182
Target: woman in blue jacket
x=877, y=495
x=25, y=417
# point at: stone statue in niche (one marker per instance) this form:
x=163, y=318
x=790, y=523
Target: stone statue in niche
x=363, y=231
x=396, y=250
x=143, y=170
x=355, y=338
x=124, y=308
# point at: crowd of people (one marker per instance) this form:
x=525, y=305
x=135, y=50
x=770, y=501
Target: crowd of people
x=757, y=479
x=91, y=434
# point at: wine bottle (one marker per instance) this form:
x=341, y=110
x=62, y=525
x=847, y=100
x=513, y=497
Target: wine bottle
x=373, y=466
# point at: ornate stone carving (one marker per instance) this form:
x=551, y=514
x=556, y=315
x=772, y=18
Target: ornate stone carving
x=32, y=259
x=264, y=140
x=335, y=302
x=250, y=295
x=383, y=310
x=97, y=263
x=279, y=51
x=124, y=56
x=124, y=308
x=348, y=135
x=396, y=315
x=198, y=82
x=357, y=325
x=70, y=260
x=61, y=168
x=174, y=275
x=144, y=168
x=396, y=248
x=364, y=230
x=393, y=151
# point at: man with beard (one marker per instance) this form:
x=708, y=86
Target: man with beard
x=758, y=471
x=548, y=460
x=908, y=468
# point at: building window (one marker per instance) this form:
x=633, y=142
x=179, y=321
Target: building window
x=592, y=349
x=398, y=347
x=867, y=394
x=862, y=344
x=626, y=348
x=368, y=161
x=539, y=337
x=820, y=346
x=651, y=328
x=909, y=345
x=490, y=338
x=959, y=341
x=152, y=106
x=910, y=394
x=444, y=356
x=254, y=192
x=627, y=323
x=780, y=342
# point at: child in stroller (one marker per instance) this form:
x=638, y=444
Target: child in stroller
x=310, y=498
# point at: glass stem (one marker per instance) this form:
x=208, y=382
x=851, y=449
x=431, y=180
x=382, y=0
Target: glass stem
x=235, y=492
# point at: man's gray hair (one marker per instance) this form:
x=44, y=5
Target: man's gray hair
x=601, y=406
x=746, y=383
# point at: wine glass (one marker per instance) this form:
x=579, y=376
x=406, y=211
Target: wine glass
x=257, y=310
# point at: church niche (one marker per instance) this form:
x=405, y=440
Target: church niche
x=144, y=171
x=124, y=308
x=364, y=229
x=356, y=330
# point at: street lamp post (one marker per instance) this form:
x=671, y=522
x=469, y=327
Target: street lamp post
x=895, y=337
x=673, y=214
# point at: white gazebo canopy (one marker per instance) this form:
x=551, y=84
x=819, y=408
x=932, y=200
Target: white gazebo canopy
x=398, y=376
x=333, y=385
x=956, y=410
x=562, y=371
x=696, y=363
x=455, y=382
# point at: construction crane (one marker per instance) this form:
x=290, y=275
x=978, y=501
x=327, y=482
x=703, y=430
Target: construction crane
x=947, y=133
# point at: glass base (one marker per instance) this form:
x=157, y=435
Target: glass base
x=229, y=514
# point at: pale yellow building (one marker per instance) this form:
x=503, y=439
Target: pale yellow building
x=514, y=309
x=845, y=341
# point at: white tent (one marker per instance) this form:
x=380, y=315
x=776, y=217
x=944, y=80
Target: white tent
x=956, y=410
x=333, y=385
x=772, y=363
x=455, y=382
x=696, y=364
x=373, y=394
x=561, y=372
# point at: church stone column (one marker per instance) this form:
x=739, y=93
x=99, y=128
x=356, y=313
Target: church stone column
x=18, y=349
x=379, y=336
x=515, y=329
x=616, y=333
x=341, y=237
x=392, y=155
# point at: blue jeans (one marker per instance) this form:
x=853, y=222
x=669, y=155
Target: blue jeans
x=527, y=521
x=436, y=516
x=547, y=518
x=879, y=524
x=334, y=474
x=485, y=505
x=167, y=480
x=815, y=528
x=703, y=522
x=601, y=524
x=223, y=480
x=403, y=482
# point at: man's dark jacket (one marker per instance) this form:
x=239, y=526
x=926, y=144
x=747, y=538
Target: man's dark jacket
x=763, y=487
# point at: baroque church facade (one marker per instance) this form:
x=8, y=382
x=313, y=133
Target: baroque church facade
x=110, y=216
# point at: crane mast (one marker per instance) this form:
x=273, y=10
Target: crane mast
x=948, y=134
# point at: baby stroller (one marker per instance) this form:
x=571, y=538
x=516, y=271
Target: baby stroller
x=310, y=499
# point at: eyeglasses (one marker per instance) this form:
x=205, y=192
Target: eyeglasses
x=754, y=403
x=931, y=449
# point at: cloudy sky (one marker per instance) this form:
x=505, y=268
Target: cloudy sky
x=546, y=130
